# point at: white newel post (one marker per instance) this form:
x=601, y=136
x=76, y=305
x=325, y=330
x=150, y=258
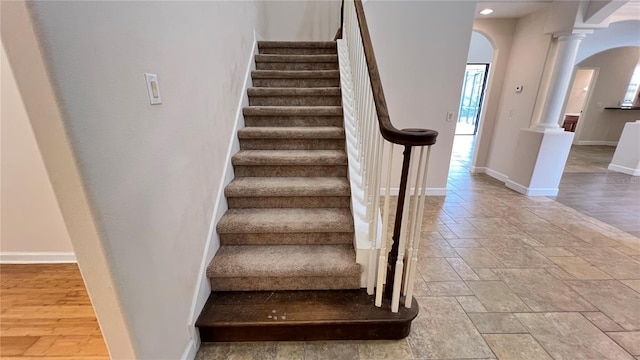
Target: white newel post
x=566, y=54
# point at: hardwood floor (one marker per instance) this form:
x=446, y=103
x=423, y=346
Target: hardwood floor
x=45, y=312
x=589, y=187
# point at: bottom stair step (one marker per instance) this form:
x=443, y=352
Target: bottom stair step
x=301, y=315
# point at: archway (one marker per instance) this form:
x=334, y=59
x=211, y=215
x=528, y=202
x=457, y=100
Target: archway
x=470, y=113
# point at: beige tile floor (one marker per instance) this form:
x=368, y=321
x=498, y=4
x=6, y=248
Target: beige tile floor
x=502, y=276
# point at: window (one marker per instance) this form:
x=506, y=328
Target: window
x=632, y=90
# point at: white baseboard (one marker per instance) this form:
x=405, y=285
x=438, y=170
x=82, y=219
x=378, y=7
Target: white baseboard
x=37, y=257
x=598, y=142
x=412, y=191
x=530, y=191
x=624, y=170
x=478, y=170
x=190, y=351
x=496, y=175
x=212, y=242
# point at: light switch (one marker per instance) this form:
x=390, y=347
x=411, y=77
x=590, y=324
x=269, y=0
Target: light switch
x=153, y=88
x=450, y=116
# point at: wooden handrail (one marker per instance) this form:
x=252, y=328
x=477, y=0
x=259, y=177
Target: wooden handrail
x=407, y=137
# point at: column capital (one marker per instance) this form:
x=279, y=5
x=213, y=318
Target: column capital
x=572, y=34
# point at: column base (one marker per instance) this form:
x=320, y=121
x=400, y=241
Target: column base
x=538, y=161
x=626, y=159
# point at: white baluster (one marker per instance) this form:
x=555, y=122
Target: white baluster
x=412, y=215
x=399, y=267
x=382, y=257
x=414, y=259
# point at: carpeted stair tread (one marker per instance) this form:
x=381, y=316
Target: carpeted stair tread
x=295, y=74
x=292, y=111
x=317, y=132
x=297, y=44
x=278, y=58
x=287, y=186
x=289, y=157
x=274, y=91
x=286, y=220
x=286, y=261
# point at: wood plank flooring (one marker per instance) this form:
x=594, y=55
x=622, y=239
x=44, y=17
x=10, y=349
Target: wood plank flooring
x=45, y=312
x=589, y=187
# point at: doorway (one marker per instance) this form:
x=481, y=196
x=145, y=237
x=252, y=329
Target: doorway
x=475, y=81
x=583, y=83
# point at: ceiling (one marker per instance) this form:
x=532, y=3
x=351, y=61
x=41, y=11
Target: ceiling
x=519, y=8
x=510, y=8
x=628, y=11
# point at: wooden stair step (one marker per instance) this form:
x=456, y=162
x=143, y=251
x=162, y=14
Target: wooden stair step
x=301, y=316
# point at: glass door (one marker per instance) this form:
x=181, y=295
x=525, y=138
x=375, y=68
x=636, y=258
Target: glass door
x=475, y=80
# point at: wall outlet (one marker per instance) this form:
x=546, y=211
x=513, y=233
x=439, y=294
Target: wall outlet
x=511, y=111
x=450, y=116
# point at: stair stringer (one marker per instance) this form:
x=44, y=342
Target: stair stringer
x=365, y=244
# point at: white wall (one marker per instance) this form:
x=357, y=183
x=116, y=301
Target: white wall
x=32, y=225
x=151, y=172
x=619, y=34
x=422, y=73
x=480, y=49
x=500, y=32
x=529, y=51
x=300, y=20
x=615, y=69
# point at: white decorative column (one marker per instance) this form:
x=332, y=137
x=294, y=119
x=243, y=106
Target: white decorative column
x=560, y=81
x=543, y=148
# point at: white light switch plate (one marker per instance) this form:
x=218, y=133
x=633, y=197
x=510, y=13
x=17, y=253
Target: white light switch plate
x=153, y=88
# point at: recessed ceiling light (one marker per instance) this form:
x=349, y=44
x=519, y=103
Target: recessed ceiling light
x=486, y=11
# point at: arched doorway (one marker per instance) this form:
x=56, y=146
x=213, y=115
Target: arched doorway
x=470, y=114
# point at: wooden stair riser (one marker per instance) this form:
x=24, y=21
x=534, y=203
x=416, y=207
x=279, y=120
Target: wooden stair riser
x=302, y=316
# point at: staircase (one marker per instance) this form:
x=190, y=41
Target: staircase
x=286, y=268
